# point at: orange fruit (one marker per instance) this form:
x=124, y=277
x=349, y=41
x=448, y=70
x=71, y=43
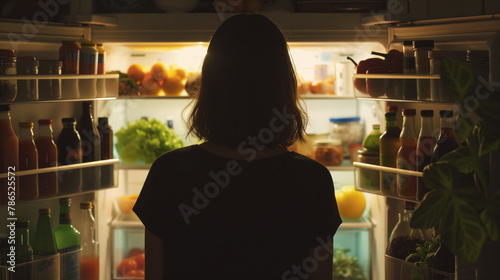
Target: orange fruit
x=149, y=86
x=350, y=202
x=158, y=71
x=135, y=72
x=173, y=86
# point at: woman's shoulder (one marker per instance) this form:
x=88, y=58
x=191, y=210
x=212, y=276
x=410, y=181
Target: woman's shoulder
x=185, y=153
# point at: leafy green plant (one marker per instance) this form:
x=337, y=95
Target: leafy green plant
x=345, y=266
x=460, y=204
x=424, y=256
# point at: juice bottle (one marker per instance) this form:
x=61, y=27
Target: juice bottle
x=69, y=151
x=389, y=146
x=106, y=136
x=47, y=157
x=68, y=242
x=91, y=144
x=446, y=141
x=371, y=141
x=407, y=155
x=9, y=156
x=89, y=262
x=425, y=145
x=28, y=160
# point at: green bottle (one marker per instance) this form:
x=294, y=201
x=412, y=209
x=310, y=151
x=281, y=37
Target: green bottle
x=45, y=248
x=68, y=242
x=371, y=141
x=24, y=253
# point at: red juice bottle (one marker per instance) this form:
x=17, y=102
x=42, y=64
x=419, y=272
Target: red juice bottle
x=28, y=160
x=425, y=146
x=47, y=157
x=446, y=141
x=407, y=155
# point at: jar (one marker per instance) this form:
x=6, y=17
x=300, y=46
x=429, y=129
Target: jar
x=27, y=89
x=438, y=91
x=421, y=49
x=49, y=89
x=328, y=152
x=8, y=88
x=409, y=85
x=348, y=130
x=479, y=62
x=69, y=54
x=101, y=58
x=368, y=179
x=88, y=66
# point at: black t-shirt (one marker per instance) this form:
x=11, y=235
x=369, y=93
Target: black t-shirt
x=222, y=218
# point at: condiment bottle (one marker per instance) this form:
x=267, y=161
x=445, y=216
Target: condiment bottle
x=409, y=85
x=49, y=89
x=28, y=160
x=91, y=144
x=371, y=141
x=27, y=89
x=69, y=54
x=407, y=155
x=88, y=65
x=106, y=137
x=389, y=146
x=9, y=155
x=422, y=66
x=8, y=88
x=403, y=240
x=446, y=141
x=89, y=261
x=69, y=150
x=47, y=157
x=425, y=146
x=68, y=242
x=101, y=59
x=44, y=245
x=24, y=252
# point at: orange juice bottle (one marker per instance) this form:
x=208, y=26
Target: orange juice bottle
x=9, y=156
x=47, y=157
x=28, y=160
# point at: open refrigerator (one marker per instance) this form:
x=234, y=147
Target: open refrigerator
x=319, y=45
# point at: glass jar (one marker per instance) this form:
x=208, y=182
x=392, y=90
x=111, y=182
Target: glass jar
x=49, y=89
x=421, y=49
x=328, y=152
x=8, y=88
x=409, y=85
x=349, y=131
x=403, y=240
x=88, y=66
x=27, y=89
x=438, y=91
x=368, y=179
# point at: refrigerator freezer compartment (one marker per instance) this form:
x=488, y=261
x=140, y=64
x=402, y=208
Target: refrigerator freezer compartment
x=127, y=241
x=396, y=269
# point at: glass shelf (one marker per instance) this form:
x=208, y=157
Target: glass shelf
x=63, y=167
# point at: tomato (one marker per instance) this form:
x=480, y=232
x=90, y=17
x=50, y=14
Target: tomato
x=376, y=87
x=134, y=252
x=126, y=265
x=140, y=260
x=131, y=273
x=140, y=273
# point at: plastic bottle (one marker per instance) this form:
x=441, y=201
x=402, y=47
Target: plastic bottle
x=45, y=247
x=407, y=155
x=70, y=151
x=371, y=141
x=68, y=242
x=403, y=240
x=47, y=157
x=425, y=146
x=91, y=145
x=9, y=155
x=106, y=136
x=24, y=252
x=28, y=160
x=89, y=261
x=446, y=141
x=389, y=146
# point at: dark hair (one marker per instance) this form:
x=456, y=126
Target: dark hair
x=247, y=81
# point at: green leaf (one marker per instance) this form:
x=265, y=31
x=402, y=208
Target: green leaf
x=426, y=215
x=438, y=175
x=461, y=159
x=463, y=125
x=457, y=78
x=491, y=216
x=416, y=274
x=488, y=137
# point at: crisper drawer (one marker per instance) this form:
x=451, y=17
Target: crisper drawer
x=352, y=252
x=127, y=253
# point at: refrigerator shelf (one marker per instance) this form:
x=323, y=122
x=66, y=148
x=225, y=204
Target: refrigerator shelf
x=63, y=167
x=59, y=77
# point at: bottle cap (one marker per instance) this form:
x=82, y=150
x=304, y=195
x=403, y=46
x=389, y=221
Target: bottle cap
x=409, y=112
x=423, y=44
x=409, y=205
x=4, y=107
x=392, y=108
x=342, y=120
x=25, y=124
x=86, y=205
x=44, y=211
x=22, y=224
x=103, y=121
x=390, y=115
x=7, y=53
x=427, y=113
x=65, y=201
x=44, y=122
x=68, y=120
x=407, y=43
x=446, y=113
x=376, y=126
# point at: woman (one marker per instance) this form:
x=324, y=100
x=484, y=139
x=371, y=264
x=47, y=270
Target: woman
x=240, y=205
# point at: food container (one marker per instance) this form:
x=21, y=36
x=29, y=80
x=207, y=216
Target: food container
x=438, y=92
x=368, y=179
x=49, y=89
x=8, y=88
x=27, y=89
x=328, y=152
x=348, y=130
x=125, y=205
x=421, y=49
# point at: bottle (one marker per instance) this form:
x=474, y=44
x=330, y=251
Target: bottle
x=47, y=157
x=407, y=155
x=422, y=66
x=389, y=146
x=425, y=145
x=89, y=261
x=68, y=242
x=28, y=160
x=45, y=248
x=106, y=138
x=403, y=240
x=446, y=141
x=88, y=65
x=91, y=144
x=409, y=85
x=69, y=150
x=371, y=141
x=24, y=252
x=9, y=156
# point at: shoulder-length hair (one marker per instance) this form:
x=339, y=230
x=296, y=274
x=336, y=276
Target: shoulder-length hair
x=248, y=87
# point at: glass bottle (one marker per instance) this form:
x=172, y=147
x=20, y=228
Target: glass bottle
x=89, y=262
x=446, y=141
x=371, y=141
x=425, y=145
x=91, y=144
x=403, y=240
x=389, y=146
x=106, y=136
x=423, y=66
x=24, y=252
x=45, y=247
x=407, y=155
x=68, y=242
x=9, y=155
x=69, y=147
x=409, y=85
x=47, y=157
x=28, y=160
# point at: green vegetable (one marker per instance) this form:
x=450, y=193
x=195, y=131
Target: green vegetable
x=346, y=266
x=145, y=140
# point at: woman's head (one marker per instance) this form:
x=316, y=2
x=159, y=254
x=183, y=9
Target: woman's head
x=248, y=83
